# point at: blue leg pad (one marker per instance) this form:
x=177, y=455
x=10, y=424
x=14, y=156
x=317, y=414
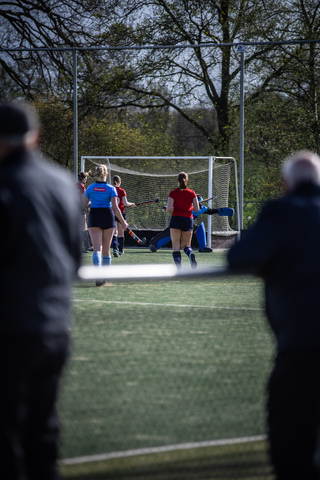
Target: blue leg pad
x=201, y=236
x=163, y=241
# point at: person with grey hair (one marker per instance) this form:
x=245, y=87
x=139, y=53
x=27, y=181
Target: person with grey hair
x=40, y=253
x=283, y=248
x=303, y=166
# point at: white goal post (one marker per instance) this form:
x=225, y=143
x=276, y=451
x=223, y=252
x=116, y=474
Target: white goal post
x=148, y=178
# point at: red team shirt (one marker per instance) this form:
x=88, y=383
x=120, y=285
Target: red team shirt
x=182, y=206
x=81, y=188
x=121, y=193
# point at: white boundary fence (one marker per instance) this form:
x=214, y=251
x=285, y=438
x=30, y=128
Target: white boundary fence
x=144, y=272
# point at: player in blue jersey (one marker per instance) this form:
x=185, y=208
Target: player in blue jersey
x=101, y=223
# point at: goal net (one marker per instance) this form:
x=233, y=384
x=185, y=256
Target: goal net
x=148, y=178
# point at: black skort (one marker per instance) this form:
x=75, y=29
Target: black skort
x=182, y=223
x=101, y=218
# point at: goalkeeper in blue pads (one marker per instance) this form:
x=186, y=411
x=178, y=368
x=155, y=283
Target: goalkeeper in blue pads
x=162, y=238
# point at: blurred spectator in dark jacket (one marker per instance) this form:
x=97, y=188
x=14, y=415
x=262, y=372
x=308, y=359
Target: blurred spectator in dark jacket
x=40, y=250
x=283, y=247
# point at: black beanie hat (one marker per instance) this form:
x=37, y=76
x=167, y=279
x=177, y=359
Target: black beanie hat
x=16, y=120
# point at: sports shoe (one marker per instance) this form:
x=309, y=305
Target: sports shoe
x=193, y=261
x=153, y=247
x=121, y=253
x=116, y=253
x=205, y=250
x=103, y=283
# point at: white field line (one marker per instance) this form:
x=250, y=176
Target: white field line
x=149, y=304
x=168, y=448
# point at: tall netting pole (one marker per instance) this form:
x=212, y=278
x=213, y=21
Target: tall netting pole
x=209, y=231
x=75, y=116
x=241, y=49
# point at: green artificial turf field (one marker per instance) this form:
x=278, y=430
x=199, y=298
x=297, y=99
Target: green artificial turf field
x=166, y=365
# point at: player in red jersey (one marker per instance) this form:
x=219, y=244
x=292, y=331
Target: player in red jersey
x=81, y=187
x=181, y=202
x=118, y=238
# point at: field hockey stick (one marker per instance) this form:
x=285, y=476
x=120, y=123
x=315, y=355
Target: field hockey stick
x=140, y=241
x=148, y=202
x=207, y=199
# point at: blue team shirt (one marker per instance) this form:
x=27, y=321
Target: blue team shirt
x=100, y=194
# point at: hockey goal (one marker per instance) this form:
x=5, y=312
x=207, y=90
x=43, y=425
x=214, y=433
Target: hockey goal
x=149, y=178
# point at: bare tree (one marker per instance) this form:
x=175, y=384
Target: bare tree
x=181, y=78
x=293, y=71
x=41, y=24
x=186, y=80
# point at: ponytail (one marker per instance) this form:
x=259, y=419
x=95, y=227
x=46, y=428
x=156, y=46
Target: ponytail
x=101, y=171
x=116, y=179
x=183, y=180
x=82, y=176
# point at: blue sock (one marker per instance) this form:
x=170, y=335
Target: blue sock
x=96, y=259
x=106, y=260
x=188, y=251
